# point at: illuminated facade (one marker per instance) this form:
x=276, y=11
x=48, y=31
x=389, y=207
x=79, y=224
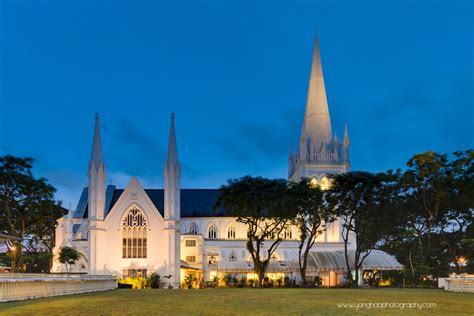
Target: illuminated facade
x=173, y=231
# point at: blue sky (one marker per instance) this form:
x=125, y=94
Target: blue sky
x=236, y=74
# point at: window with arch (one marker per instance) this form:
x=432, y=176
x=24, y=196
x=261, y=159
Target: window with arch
x=324, y=183
x=134, y=231
x=231, y=232
x=232, y=256
x=288, y=233
x=313, y=183
x=212, y=232
x=193, y=229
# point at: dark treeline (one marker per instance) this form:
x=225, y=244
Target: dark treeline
x=27, y=210
x=422, y=215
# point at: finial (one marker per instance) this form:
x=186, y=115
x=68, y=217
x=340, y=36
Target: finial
x=96, y=116
x=172, y=115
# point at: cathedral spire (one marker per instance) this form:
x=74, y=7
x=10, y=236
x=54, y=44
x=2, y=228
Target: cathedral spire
x=172, y=155
x=96, y=159
x=317, y=123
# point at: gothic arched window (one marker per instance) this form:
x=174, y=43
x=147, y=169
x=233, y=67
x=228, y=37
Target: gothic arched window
x=212, y=232
x=288, y=233
x=134, y=229
x=193, y=230
x=231, y=232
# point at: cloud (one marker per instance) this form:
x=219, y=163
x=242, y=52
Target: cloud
x=261, y=145
x=140, y=154
x=419, y=118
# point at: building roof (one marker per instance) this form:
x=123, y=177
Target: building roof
x=194, y=202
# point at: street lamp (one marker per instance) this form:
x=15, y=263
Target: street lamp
x=461, y=261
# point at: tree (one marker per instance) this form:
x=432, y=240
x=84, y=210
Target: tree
x=438, y=206
x=69, y=256
x=365, y=203
x=424, y=186
x=312, y=218
x=42, y=232
x=25, y=201
x=261, y=205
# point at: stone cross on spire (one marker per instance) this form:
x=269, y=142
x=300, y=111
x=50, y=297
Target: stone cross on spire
x=317, y=123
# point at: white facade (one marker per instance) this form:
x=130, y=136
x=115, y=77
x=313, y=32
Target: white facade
x=173, y=231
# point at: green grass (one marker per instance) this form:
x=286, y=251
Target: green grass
x=242, y=302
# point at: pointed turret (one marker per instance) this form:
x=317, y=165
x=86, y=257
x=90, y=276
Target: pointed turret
x=173, y=206
x=96, y=159
x=345, y=146
x=172, y=177
x=317, y=123
x=172, y=155
x=346, y=142
x=96, y=185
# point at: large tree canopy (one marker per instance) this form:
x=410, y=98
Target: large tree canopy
x=27, y=205
x=438, y=202
x=365, y=203
x=311, y=217
x=261, y=205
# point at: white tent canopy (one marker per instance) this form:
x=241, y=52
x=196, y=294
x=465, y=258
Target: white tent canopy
x=323, y=261
x=247, y=266
x=318, y=261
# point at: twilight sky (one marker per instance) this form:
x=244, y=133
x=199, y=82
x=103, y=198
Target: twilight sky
x=236, y=74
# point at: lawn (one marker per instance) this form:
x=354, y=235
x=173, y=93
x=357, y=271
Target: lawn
x=243, y=302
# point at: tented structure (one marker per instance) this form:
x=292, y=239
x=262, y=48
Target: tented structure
x=323, y=261
x=318, y=261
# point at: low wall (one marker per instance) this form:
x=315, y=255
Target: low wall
x=15, y=286
x=459, y=285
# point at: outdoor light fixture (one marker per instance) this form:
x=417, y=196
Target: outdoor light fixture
x=461, y=261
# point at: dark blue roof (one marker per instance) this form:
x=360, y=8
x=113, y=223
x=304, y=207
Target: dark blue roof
x=194, y=202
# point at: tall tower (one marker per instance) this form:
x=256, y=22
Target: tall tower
x=172, y=206
x=319, y=152
x=96, y=206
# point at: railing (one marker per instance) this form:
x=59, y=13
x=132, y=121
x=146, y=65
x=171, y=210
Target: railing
x=20, y=286
x=459, y=285
x=8, y=277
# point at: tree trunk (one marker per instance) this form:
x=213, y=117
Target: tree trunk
x=261, y=276
x=356, y=282
x=412, y=268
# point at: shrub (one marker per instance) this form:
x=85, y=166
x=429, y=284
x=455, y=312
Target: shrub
x=279, y=281
x=189, y=280
x=215, y=281
x=137, y=283
x=227, y=279
x=154, y=280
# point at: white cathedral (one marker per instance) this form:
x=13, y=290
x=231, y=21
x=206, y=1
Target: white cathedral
x=172, y=231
